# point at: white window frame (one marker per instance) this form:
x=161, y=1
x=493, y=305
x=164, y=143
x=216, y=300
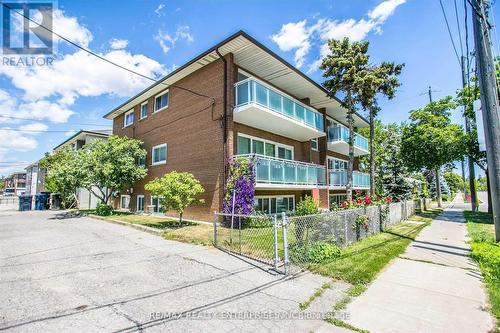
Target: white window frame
x=337, y=195
x=338, y=159
x=125, y=118
x=276, y=197
x=137, y=203
x=140, y=110
x=317, y=144
x=159, y=204
x=121, y=201
x=153, y=154
x=277, y=144
x=159, y=95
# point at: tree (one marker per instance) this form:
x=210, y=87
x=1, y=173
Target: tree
x=2, y=184
x=111, y=165
x=176, y=190
x=345, y=69
x=63, y=174
x=431, y=140
x=454, y=180
x=381, y=79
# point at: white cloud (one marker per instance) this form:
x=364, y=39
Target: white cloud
x=159, y=10
x=294, y=36
x=117, y=44
x=69, y=133
x=167, y=41
x=34, y=128
x=14, y=140
x=299, y=37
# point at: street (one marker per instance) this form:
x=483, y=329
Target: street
x=80, y=274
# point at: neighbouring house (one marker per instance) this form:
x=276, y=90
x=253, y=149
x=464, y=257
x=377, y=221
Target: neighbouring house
x=240, y=98
x=15, y=184
x=35, y=179
x=85, y=198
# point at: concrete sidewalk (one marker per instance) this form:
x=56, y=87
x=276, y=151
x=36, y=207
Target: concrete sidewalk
x=433, y=287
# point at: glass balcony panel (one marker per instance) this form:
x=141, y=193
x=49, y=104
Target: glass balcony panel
x=302, y=174
x=289, y=173
x=261, y=94
x=262, y=173
x=288, y=107
x=242, y=93
x=275, y=101
x=252, y=91
x=277, y=171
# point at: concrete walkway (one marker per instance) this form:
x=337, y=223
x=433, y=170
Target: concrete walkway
x=433, y=287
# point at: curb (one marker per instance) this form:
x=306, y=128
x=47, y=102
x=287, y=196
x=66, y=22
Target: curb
x=149, y=230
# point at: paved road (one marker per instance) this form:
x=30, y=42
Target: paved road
x=80, y=274
x=433, y=287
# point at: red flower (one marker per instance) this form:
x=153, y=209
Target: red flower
x=359, y=201
x=368, y=200
x=344, y=205
x=388, y=200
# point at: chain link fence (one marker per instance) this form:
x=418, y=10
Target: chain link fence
x=291, y=243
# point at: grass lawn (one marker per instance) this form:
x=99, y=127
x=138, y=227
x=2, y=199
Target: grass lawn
x=159, y=222
x=487, y=253
x=360, y=262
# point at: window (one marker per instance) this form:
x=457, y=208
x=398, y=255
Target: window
x=129, y=118
x=125, y=202
x=314, y=144
x=159, y=154
x=161, y=101
x=337, y=199
x=141, y=161
x=144, y=110
x=157, y=206
x=336, y=164
x=251, y=145
x=274, y=204
x=140, y=204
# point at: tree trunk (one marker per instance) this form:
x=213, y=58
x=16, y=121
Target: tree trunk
x=180, y=218
x=438, y=189
x=350, y=165
x=372, y=155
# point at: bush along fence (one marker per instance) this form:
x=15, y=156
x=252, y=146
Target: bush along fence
x=289, y=242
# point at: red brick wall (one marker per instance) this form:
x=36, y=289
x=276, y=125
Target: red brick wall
x=193, y=133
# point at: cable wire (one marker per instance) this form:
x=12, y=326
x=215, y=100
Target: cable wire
x=107, y=60
x=34, y=119
x=449, y=31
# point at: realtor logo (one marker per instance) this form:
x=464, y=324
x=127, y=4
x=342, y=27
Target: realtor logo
x=27, y=28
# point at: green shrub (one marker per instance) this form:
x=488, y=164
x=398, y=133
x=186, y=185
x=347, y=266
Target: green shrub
x=103, y=210
x=315, y=253
x=488, y=257
x=306, y=206
x=445, y=197
x=320, y=252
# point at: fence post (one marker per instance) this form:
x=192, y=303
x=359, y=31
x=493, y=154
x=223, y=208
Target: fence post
x=285, y=242
x=215, y=228
x=275, y=229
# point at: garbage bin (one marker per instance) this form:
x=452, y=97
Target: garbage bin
x=41, y=201
x=24, y=202
x=55, y=201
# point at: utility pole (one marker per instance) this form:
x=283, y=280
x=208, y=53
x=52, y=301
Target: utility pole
x=463, y=177
x=489, y=104
x=438, y=180
x=468, y=123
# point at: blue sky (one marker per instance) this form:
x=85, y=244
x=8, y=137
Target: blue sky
x=153, y=37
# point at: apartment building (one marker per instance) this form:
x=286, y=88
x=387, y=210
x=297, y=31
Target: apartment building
x=15, y=184
x=240, y=99
x=85, y=198
x=35, y=179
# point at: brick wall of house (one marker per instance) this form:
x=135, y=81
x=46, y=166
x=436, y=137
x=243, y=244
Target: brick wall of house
x=192, y=130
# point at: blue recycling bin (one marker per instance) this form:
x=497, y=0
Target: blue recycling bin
x=24, y=202
x=41, y=201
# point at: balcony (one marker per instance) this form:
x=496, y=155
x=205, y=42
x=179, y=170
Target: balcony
x=278, y=173
x=338, y=141
x=338, y=179
x=261, y=106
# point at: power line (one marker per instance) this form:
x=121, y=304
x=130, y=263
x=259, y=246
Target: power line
x=35, y=131
x=107, y=60
x=34, y=119
x=458, y=28
x=449, y=31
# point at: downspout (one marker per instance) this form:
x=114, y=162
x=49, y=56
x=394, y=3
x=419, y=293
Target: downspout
x=224, y=121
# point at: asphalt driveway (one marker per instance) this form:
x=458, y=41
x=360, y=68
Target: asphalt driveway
x=81, y=274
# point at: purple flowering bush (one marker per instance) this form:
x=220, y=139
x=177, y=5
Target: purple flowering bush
x=240, y=186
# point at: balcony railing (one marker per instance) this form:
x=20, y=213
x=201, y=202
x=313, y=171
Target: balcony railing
x=250, y=91
x=272, y=170
x=359, y=179
x=341, y=133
